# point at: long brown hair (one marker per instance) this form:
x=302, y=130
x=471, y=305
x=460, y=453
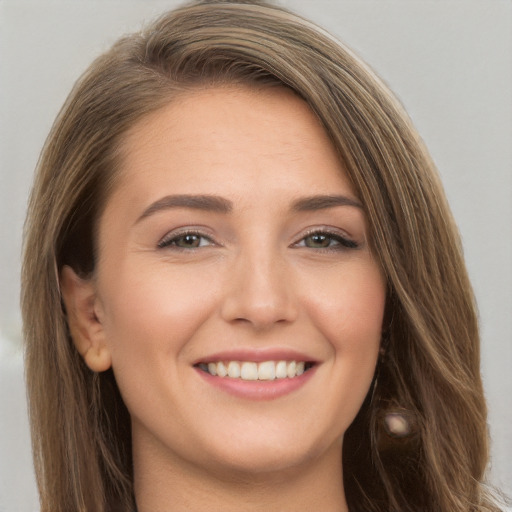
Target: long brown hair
x=430, y=369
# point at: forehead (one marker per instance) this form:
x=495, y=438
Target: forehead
x=223, y=136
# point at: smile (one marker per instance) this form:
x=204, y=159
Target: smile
x=251, y=371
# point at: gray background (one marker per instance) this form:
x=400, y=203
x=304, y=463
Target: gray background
x=450, y=63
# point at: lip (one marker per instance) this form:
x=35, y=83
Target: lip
x=257, y=390
x=257, y=356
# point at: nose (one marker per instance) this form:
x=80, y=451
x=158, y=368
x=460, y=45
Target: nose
x=259, y=292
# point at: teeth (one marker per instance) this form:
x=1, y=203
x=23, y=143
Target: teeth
x=249, y=371
x=266, y=370
x=221, y=370
x=291, y=369
x=281, y=372
x=233, y=370
x=212, y=368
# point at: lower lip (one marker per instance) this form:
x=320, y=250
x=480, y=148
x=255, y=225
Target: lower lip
x=258, y=389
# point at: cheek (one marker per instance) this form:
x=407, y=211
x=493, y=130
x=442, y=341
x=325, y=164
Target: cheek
x=347, y=310
x=351, y=308
x=350, y=313
x=153, y=310
x=151, y=314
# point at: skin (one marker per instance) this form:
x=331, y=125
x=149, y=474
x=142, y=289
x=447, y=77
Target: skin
x=258, y=281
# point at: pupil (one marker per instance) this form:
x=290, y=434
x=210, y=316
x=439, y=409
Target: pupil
x=319, y=240
x=190, y=240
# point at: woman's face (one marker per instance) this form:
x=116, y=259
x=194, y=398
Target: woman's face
x=234, y=243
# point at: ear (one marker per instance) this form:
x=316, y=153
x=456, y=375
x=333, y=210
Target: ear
x=81, y=302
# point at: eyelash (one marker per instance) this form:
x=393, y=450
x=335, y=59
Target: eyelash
x=342, y=242
x=171, y=240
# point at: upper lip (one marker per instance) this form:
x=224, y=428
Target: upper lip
x=257, y=356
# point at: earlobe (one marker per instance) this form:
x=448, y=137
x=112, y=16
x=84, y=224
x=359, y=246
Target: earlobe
x=86, y=329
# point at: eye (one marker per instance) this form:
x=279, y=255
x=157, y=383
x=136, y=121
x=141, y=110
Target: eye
x=326, y=240
x=187, y=240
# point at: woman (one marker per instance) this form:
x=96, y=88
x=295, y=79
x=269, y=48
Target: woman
x=243, y=287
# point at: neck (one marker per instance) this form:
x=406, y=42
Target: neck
x=178, y=486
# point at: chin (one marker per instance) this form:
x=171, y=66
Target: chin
x=264, y=454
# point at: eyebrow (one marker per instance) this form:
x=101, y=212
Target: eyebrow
x=195, y=202
x=321, y=202
x=221, y=205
